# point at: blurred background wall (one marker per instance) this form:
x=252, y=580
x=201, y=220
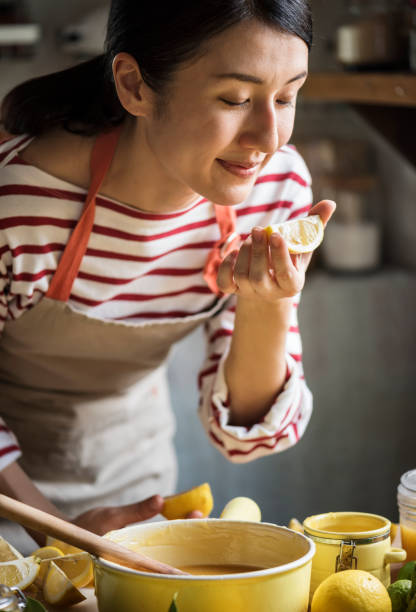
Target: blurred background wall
x=357, y=316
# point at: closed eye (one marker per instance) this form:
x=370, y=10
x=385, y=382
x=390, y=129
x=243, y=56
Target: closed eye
x=230, y=103
x=245, y=102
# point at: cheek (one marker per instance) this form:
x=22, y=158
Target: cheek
x=285, y=128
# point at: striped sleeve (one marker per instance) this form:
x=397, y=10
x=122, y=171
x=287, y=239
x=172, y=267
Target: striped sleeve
x=9, y=447
x=285, y=422
x=4, y=280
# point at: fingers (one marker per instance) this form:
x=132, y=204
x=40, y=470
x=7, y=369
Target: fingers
x=325, y=209
x=195, y=514
x=251, y=270
x=140, y=511
x=225, y=276
x=285, y=270
x=258, y=273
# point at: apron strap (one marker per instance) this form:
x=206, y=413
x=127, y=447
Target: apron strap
x=70, y=262
x=229, y=241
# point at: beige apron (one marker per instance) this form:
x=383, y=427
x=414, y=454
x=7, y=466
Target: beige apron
x=87, y=398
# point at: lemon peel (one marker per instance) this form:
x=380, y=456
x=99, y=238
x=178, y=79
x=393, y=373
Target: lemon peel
x=301, y=235
x=180, y=505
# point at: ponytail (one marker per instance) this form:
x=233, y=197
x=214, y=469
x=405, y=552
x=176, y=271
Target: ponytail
x=80, y=99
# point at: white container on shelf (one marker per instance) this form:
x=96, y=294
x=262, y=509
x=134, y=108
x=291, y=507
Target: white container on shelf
x=352, y=241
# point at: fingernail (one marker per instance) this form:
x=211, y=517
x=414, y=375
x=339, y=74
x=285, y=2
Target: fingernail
x=257, y=234
x=275, y=239
x=155, y=502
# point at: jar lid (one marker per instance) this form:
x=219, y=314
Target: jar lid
x=408, y=480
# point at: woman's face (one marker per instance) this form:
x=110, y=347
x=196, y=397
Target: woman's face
x=227, y=112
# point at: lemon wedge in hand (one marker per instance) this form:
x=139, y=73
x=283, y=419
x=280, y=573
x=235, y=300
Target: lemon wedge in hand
x=301, y=235
x=19, y=573
x=180, y=505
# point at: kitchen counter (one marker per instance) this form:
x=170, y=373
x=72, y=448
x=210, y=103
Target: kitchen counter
x=90, y=605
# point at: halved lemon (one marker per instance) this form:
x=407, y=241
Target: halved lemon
x=8, y=552
x=180, y=505
x=58, y=590
x=241, y=509
x=19, y=573
x=301, y=235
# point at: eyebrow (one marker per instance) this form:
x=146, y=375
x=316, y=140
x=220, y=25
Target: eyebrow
x=252, y=79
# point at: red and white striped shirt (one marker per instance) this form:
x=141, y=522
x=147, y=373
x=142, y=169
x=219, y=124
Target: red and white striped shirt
x=143, y=268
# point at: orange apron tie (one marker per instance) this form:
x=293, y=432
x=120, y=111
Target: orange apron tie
x=229, y=241
x=70, y=262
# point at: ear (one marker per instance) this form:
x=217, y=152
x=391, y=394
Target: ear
x=132, y=91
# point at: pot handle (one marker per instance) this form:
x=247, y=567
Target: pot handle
x=395, y=555
x=241, y=509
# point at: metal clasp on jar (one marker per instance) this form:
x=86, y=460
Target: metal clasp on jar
x=346, y=560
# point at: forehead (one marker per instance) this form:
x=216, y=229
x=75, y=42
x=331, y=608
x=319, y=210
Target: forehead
x=255, y=48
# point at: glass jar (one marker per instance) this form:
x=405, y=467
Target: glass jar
x=406, y=499
x=11, y=600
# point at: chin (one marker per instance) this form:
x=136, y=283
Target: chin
x=228, y=197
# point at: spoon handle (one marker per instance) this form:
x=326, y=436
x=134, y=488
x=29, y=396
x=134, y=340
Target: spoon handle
x=48, y=524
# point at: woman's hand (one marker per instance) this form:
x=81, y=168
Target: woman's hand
x=102, y=519
x=264, y=269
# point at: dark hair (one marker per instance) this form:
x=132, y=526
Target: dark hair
x=83, y=99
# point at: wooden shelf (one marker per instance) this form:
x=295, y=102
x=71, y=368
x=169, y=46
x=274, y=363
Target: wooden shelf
x=387, y=101
x=387, y=89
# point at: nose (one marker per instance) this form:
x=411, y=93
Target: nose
x=261, y=131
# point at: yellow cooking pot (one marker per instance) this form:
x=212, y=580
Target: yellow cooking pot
x=351, y=540
x=280, y=584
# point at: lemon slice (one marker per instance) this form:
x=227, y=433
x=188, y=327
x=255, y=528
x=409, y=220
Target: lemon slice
x=180, y=505
x=19, y=573
x=44, y=554
x=77, y=567
x=58, y=590
x=8, y=552
x=301, y=235
x=241, y=509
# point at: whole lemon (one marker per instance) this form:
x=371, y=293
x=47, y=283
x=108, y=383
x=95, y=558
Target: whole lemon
x=351, y=591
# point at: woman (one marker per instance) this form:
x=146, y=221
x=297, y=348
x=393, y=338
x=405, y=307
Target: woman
x=181, y=128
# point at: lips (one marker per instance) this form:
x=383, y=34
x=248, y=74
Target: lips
x=240, y=168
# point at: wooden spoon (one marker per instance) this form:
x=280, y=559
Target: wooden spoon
x=48, y=524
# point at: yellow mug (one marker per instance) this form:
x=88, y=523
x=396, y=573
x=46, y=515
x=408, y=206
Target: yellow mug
x=351, y=540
